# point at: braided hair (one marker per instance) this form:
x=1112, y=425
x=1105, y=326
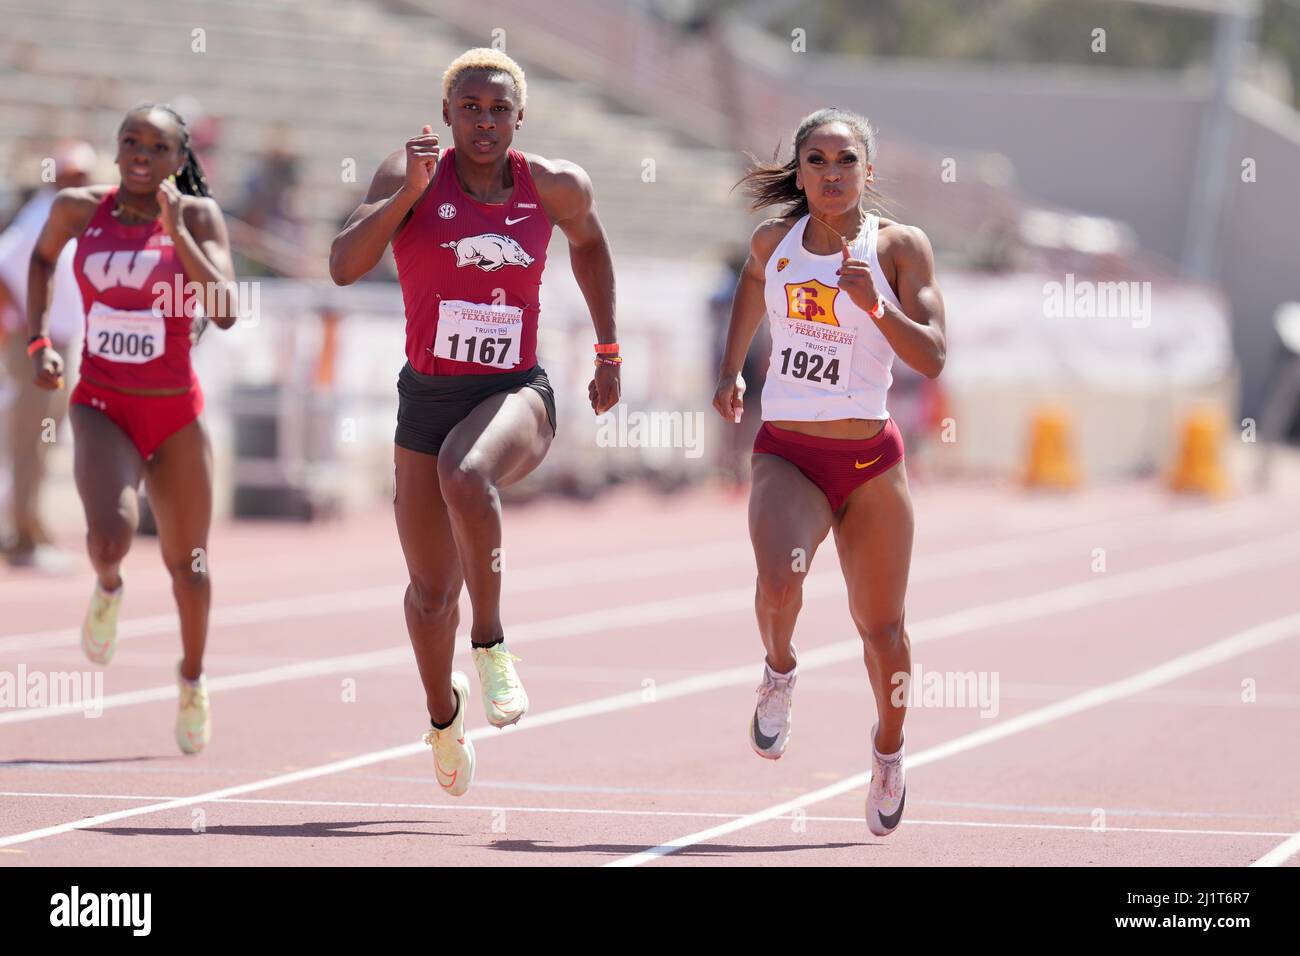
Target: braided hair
x=190, y=180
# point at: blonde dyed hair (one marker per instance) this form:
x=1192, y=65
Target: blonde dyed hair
x=490, y=61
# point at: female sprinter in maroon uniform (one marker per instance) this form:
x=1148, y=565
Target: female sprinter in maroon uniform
x=476, y=412
x=845, y=292
x=135, y=410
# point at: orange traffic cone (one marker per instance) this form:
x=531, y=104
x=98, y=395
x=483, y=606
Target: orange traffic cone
x=1051, y=450
x=1199, y=467
x=327, y=361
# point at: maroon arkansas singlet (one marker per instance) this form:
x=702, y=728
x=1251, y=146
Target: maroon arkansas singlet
x=471, y=273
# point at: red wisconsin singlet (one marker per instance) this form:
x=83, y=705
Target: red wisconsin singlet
x=138, y=319
x=471, y=274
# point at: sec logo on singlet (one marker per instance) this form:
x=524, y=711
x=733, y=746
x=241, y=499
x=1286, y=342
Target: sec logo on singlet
x=446, y=210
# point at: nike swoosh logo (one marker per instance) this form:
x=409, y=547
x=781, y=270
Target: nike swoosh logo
x=442, y=773
x=764, y=742
x=511, y=222
x=891, y=821
x=859, y=465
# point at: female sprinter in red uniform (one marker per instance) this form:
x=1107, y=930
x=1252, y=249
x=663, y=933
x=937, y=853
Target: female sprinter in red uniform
x=845, y=291
x=476, y=412
x=135, y=411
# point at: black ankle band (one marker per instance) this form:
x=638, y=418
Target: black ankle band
x=499, y=640
x=438, y=726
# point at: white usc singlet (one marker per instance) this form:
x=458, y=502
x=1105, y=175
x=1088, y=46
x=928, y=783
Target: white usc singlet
x=829, y=360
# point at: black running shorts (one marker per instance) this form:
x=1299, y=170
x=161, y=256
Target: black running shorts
x=430, y=406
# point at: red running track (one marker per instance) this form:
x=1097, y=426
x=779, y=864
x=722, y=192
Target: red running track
x=1145, y=713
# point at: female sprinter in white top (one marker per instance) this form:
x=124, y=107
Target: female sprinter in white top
x=845, y=292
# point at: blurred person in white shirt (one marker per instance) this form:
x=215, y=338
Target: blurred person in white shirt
x=34, y=414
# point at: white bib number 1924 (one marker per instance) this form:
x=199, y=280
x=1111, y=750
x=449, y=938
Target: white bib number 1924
x=813, y=354
x=129, y=337
x=483, y=334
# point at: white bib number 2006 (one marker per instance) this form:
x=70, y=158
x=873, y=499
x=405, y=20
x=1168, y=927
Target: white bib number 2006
x=484, y=334
x=813, y=354
x=130, y=337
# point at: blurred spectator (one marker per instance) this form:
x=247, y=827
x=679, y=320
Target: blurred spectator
x=269, y=202
x=33, y=408
x=738, y=440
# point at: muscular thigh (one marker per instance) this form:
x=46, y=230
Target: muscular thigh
x=422, y=523
x=106, y=466
x=873, y=535
x=179, y=479
x=504, y=438
x=788, y=514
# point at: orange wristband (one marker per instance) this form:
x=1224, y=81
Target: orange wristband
x=35, y=345
x=610, y=349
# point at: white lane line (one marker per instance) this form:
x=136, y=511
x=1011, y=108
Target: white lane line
x=1101, y=590
x=647, y=564
x=1117, y=812
x=150, y=577
x=1280, y=853
x=983, y=558
x=534, y=787
x=1189, y=698
x=350, y=663
x=1251, y=639
x=1077, y=827
x=1113, y=587
x=1210, y=566
x=604, y=705
x=610, y=811
x=252, y=564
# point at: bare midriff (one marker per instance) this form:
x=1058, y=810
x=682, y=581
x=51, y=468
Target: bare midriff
x=851, y=428
x=136, y=391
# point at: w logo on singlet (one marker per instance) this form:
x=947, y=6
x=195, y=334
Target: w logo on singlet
x=127, y=267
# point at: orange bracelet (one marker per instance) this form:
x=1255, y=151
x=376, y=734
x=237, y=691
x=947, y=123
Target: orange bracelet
x=35, y=345
x=609, y=349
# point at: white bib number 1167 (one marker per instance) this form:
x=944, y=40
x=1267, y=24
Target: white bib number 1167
x=483, y=334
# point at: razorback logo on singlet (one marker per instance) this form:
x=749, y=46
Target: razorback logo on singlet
x=489, y=251
x=811, y=301
x=122, y=267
